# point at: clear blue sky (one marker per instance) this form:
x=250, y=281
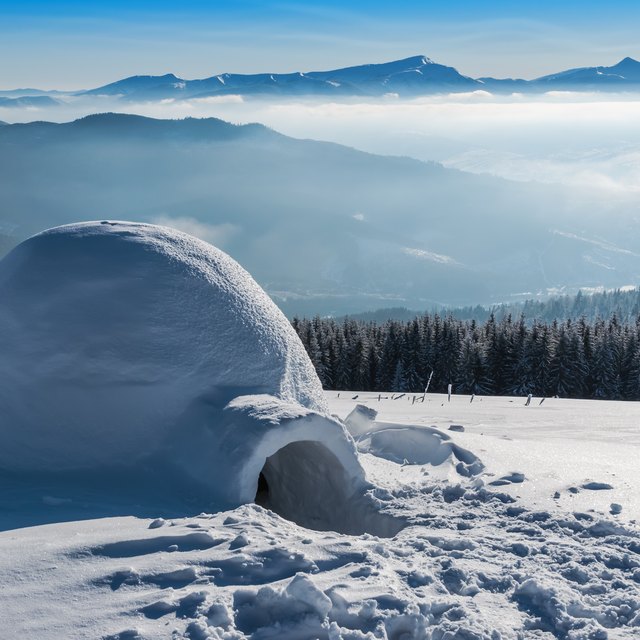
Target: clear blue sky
x=77, y=44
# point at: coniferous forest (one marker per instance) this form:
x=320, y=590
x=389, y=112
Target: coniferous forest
x=569, y=359
x=624, y=303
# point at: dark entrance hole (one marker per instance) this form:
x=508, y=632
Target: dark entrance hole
x=305, y=482
x=262, y=494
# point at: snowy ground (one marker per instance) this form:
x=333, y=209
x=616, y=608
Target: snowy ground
x=559, y=446
x=521, y=526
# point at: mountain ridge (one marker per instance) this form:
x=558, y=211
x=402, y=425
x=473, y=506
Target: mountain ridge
x=406, y=77
x=411, y=76
x=323, y=227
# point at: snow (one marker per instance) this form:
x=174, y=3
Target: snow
x=416, y=445
x=137, y=351
x=560, y=446
x=489, y=555
x=350, y=516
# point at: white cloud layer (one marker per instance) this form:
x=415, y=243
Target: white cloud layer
x=578, y=139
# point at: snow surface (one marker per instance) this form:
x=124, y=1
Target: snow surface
x=559, y=446
x=134, y=354
x=135, y=357
x=489, y=553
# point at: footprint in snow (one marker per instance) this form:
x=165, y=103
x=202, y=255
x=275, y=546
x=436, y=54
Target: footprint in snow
x=515, y=477
x=196, y=541
x=597, y=486
x=170, y=579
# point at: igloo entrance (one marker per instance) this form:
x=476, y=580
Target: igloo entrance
x=305, y=482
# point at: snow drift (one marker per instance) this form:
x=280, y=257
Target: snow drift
x=409, y=444
x=135, y=347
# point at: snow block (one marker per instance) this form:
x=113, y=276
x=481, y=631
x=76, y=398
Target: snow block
x=134, y=346
x=361, y=420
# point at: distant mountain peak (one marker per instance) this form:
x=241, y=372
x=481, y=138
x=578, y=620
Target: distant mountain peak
x=392, y=66
x=418, y=61
x=626, y=62
x=410, y=63
x=166, y=77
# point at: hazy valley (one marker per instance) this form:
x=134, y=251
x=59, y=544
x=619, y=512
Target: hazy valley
x=324, y=228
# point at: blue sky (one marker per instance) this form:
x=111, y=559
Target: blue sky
x=77, y=44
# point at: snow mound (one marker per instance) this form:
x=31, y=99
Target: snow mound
x=419, y=445
x=131, y=347
x=409, y=444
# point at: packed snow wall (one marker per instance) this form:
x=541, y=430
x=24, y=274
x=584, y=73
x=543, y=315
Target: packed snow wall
x=134, y=347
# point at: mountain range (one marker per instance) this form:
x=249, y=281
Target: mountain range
x=28, y=101
x=410, y=77
x=324, y=228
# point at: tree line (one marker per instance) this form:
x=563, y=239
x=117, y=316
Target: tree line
x=624, y=303
x=506, y=356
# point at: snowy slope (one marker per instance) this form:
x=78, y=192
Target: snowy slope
x=553, y=456
x=476, y=561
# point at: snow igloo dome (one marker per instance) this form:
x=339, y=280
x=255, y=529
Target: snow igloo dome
x=133, y=346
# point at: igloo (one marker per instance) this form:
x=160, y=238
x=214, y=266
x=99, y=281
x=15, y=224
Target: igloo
x=130, y=346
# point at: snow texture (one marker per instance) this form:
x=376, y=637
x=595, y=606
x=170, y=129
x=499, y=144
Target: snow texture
x=132, y=349
x=132, y=352
x=476, y=562
x=409, y=444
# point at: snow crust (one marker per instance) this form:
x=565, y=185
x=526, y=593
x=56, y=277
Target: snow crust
x=129, y=349
x=561, y=455
x=133, y=348
x=490, y=556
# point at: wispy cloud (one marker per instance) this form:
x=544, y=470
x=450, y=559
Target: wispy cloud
x=214, y=100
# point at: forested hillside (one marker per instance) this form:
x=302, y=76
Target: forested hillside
x=323, y=228
x=624, y=303
x=570, y=359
